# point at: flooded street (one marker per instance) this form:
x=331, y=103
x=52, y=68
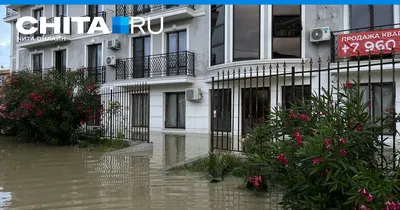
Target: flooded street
x=46, y=177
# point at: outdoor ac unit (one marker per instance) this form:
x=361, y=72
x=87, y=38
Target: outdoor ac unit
x=193, y=94
x=320, y=34
x=113, y=44
x=111, y=60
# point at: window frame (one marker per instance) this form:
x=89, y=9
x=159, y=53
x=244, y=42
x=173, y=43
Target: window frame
x=212, y=46
x=167, y=95
x=227, y=92
x=233, y=35
x=300, y=37
x=371, y=14
x=141, y=121
x=285, y=102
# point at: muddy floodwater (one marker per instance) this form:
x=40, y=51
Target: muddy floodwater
x=46, y=177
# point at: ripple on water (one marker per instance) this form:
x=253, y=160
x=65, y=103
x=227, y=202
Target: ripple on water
x=63, y=178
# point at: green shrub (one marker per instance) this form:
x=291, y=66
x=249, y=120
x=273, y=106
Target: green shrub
x=318, y=152
x=49, y=109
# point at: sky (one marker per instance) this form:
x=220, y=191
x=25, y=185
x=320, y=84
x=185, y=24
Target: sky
x=5, y=34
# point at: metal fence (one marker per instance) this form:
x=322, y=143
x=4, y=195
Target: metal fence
x=136, y=10
x=167, y=64
x=243, y=98
x=126, y=113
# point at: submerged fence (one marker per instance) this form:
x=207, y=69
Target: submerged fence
x=126, y=113
x=243, y=98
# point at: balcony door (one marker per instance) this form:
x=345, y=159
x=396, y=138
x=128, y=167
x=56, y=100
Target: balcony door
x=176, y=54
x=92, y=10
x=37, y=63
x=94, y=62
x=141, y=57
x=60, y=58
x=37, y=14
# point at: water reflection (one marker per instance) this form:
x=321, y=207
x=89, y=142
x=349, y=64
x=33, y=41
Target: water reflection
x=174, y=149
x=40, y=177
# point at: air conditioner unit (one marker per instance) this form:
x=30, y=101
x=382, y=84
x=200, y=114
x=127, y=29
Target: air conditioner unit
x=320, y=34
x=111, y=60
x=193, y=94
x=113, y=44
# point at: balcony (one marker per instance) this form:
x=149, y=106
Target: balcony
x=168, y=12
x=98, y=14
x=360, y=43
x=37, y=39
x=11, y=15
x=98, y=73
x=179, y=64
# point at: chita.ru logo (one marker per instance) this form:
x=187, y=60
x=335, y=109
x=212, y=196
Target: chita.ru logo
x=120, y=25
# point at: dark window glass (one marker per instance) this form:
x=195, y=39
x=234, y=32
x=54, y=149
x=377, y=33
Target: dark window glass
x=61, y=10
x=222, y=110
x=246, y=32
x=364, y=16
x=286, y=31
x=175, y=110
x=255, y=107
x=301, y=92
x=381, y=99
x=140, y=112
x=217, y=34
x=37, y=63
x=141, y=57
x=177, y=56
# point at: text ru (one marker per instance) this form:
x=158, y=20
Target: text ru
x=120, y=25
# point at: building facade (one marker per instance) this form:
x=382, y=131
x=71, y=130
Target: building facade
x=197, y=42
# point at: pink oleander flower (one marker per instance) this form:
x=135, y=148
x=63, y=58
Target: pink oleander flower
x=370, y=198
x=342, y=140
x=315, y=161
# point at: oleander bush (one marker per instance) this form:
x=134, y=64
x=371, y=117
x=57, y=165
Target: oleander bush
x=49, y=108
x=324, y=154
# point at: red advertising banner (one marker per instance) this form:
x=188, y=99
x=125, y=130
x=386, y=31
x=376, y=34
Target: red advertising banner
x=362, y=43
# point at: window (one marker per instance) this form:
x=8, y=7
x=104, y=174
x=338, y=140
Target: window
x=94, y=63
x=97, y=115
x=381, y=99
x=37, y=63
x=60, y=61
x=246, y=32
x=61, y=10
x=175, y=110
x=286, y=31
x=37, y=14
x=364, y=16
x=301, y=92
x=217, y=34
x=140, y=110
x=176, y=46
x=255, y=107
x=222, y=110
x=141, y=57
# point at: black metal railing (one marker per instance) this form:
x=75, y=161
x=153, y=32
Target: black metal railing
x=135, y=10
x=92, y=16
x=334, y=42
x=242, y=98
x=49, y=31
x=126, y=113
x=168, y=64
x=11, y=12
x=98, y=73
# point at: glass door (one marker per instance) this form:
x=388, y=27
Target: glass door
x=61, y=61
x=176, y=55
x=141, y=57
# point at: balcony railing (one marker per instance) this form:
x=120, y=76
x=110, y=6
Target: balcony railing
x=92, y=16
x=49, y=31
x=335, y=42
x=10, y=12
x=98, y=73
x=168, y=64
x=135, y=10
